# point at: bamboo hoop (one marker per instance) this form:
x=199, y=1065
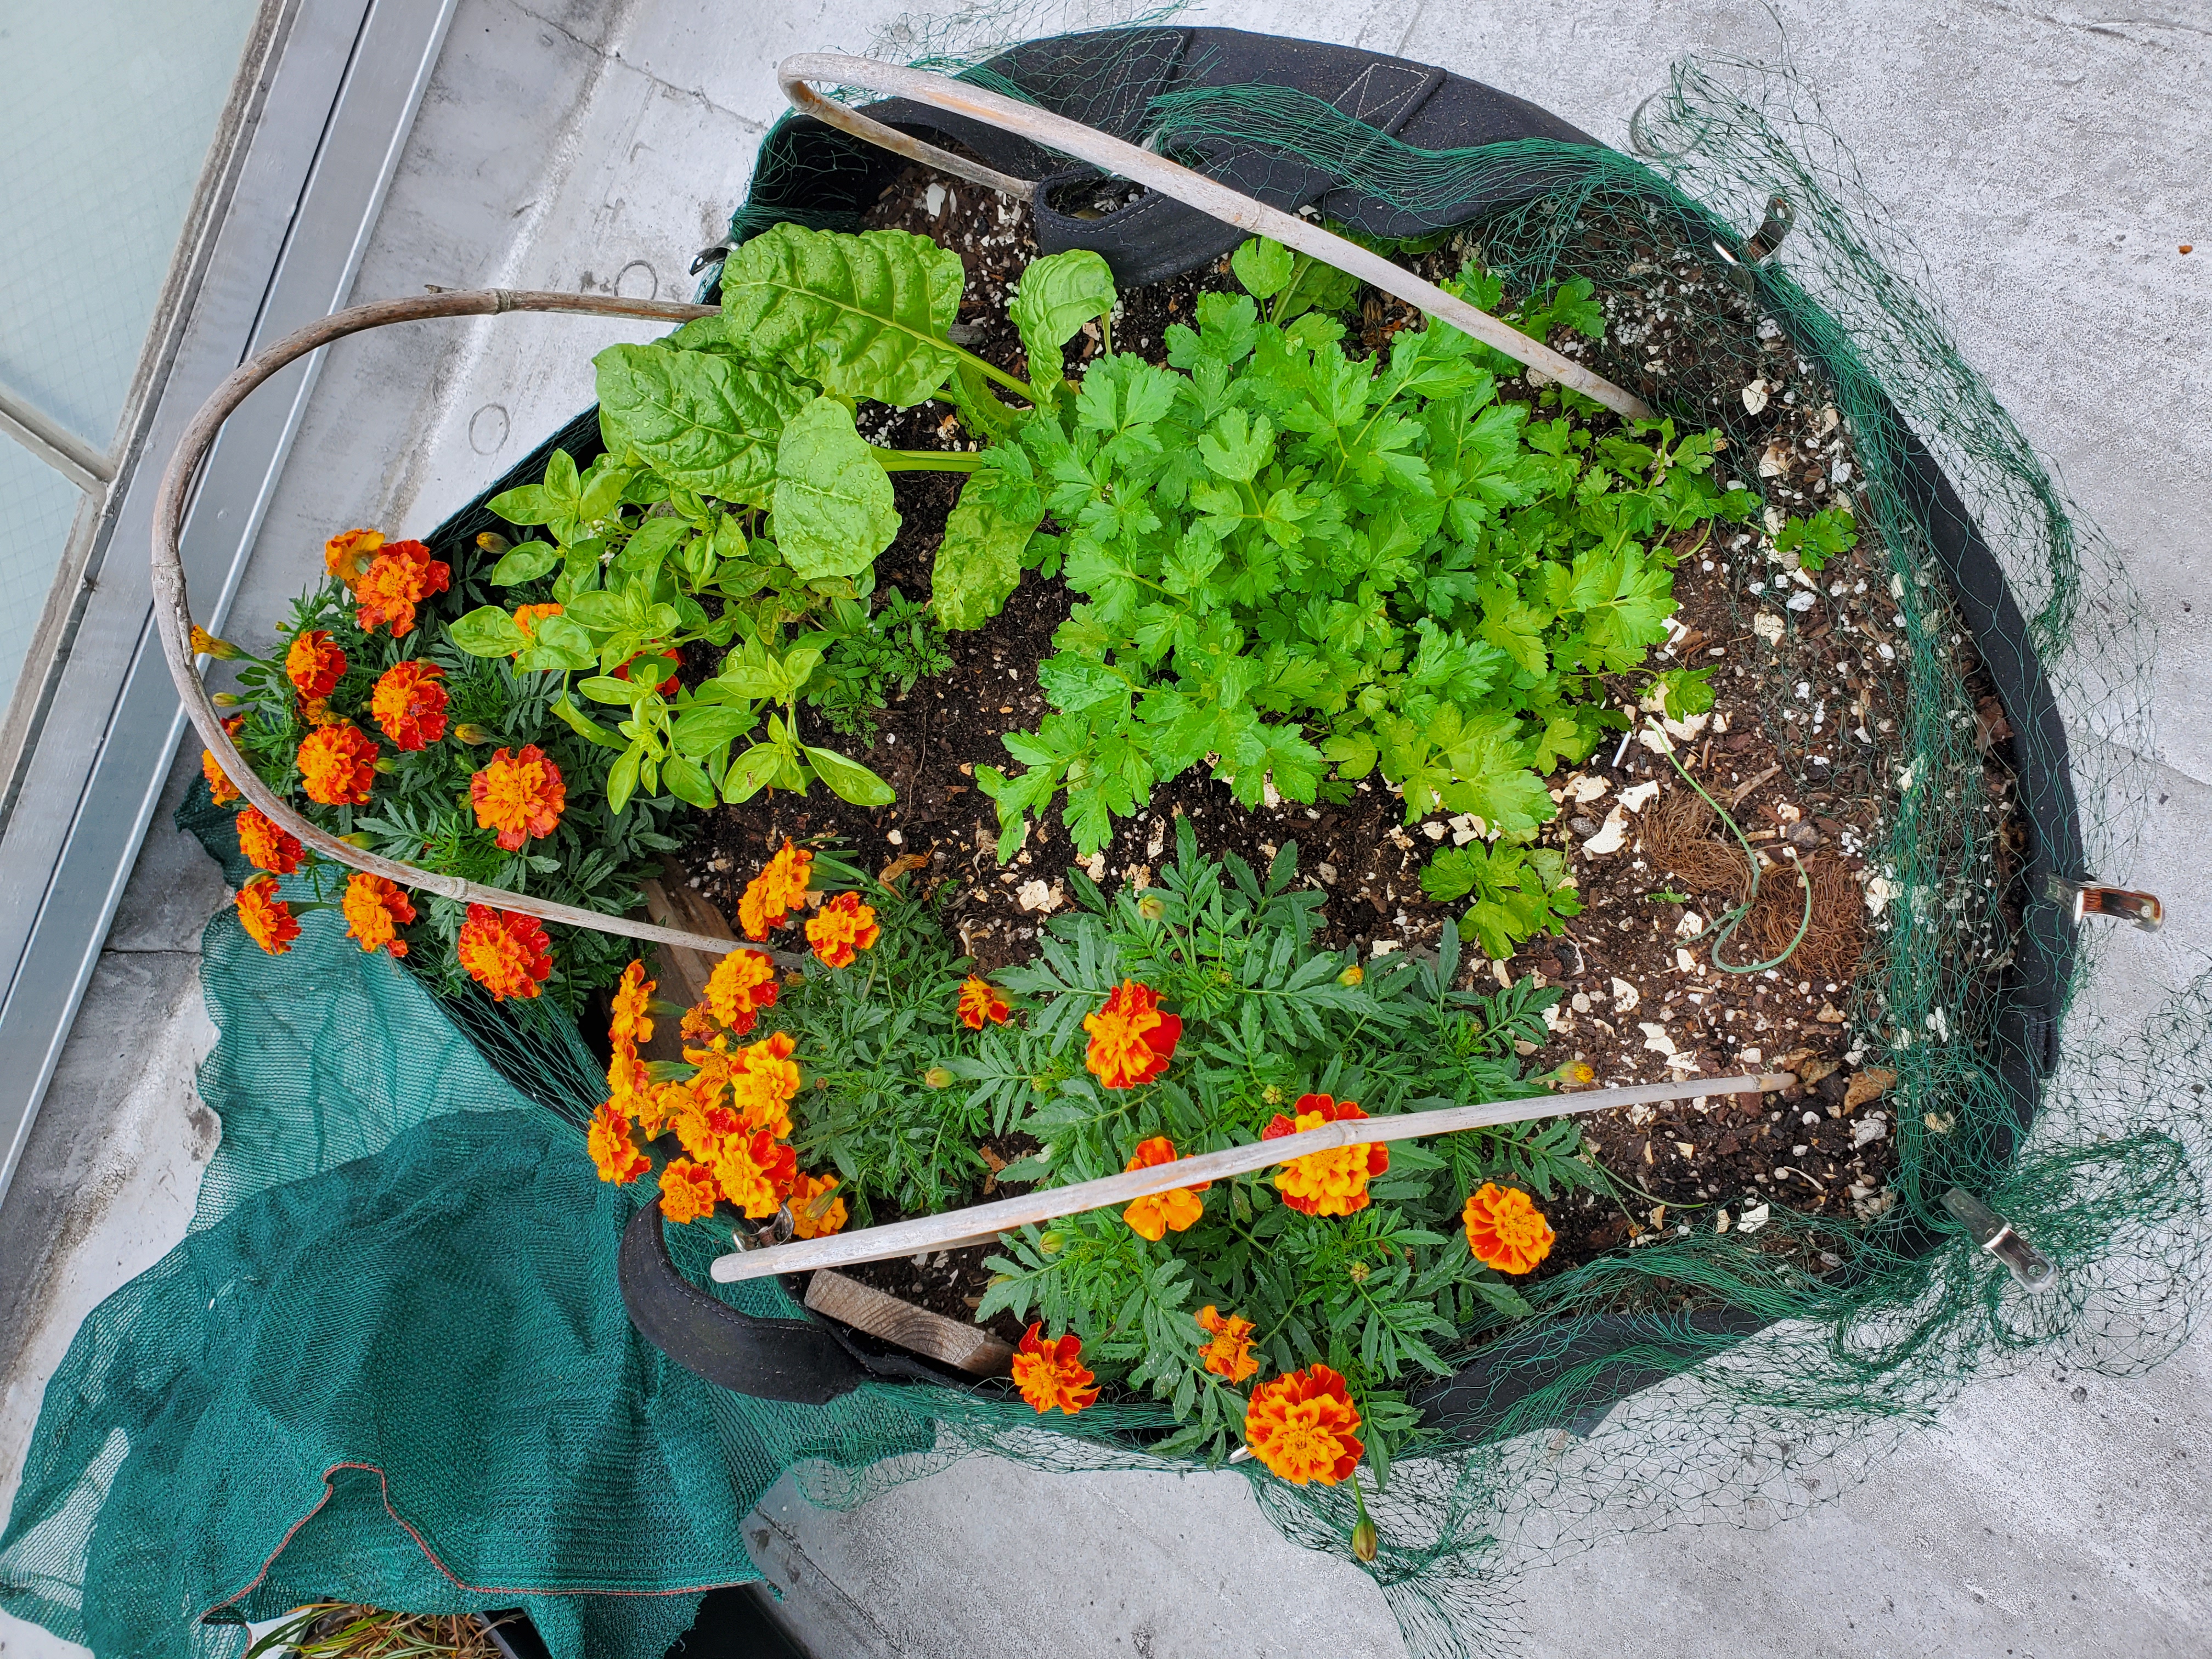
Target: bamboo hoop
x=980, y=1223
x=1194, y=189
x=173, y=611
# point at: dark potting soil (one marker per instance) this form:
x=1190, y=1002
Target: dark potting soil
x=1819, y=660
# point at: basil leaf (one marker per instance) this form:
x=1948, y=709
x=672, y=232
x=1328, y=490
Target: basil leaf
x=525, y=563
x=583, y=725
x=849, y=779
x=525, y=504
x=750, y=773
x=687, y=782
x=699, y=731
x=487, y=631
x=622, y=781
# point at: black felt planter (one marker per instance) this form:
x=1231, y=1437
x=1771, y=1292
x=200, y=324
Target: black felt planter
x=814, y=174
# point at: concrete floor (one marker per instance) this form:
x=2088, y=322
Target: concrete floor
x=2048, y=160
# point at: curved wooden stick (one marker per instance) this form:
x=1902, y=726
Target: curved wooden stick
x=1127, y=161
x=980, y=1222
x=172, y=613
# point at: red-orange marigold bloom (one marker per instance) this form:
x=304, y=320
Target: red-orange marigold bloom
x=520, y=795
x=349, y=554
x=614, y=1153
x=1227, y=1350
x=409, y=705
x=764, y=1081
x=627, y=1081
x=314, y=665
x=814, y=1213
x=402, y=576
x=757, y=1172
x=1333, y=1182
x=779, y=887
x=527, y=617
x=631, y=1019
x=267, y=918
x=687, y=1191
x=842, y=927
x=266, y=843
x=337, y=765
x=1131, y=1039
x=1304, y=1427
x=980, y=1003
x=1505, y=1229
x=742, y=984
x=1051, y=1373
x=1151, y=1218
x=505, y=952
x=375, y=910
x=221, y=789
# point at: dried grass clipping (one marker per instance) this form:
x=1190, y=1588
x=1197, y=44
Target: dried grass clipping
x=1837, y=935
x=342, y=1630
x=1679, y=837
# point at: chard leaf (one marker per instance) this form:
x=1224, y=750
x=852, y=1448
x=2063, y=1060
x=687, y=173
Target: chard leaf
x=701, y=420
x=1055, y=298
x=979, y=563
x=832, y=500
x=863, y=316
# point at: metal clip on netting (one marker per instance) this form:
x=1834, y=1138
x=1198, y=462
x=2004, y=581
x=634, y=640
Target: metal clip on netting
x=1141, y=165
x=2122, y=904
x=2034, y=1270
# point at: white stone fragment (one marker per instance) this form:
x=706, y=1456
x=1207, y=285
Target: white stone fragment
x=1611, y=837
x=1039, y=897
x=1433, y=828
x=1873, y=1127
x=1752, y=1219
x=1684, y=962
x=1690, y=924
x=1768, y=627
x=1880, y=891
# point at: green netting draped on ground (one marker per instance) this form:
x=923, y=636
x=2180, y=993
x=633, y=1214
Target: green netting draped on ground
x=391, y=1361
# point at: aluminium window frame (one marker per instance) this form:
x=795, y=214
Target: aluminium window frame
x=306, y=155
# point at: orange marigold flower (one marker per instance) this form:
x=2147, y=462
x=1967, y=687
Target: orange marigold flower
x=1505, y=1229
x=402, y=576
x=505, y=952
x=318, y=712
x=980, y=1003
x=409, y=705
x=657, y=1106
x=703, y=1128
x=779, y=887
x=1131, y=1039
x=1333, y=1182
x=814, y=1213
x=1151, y=1218
x=519, y=795
x=687, y=1191
x=1227, y=1350
x=1051, y=1372
x=742, y=984
x=221, y=789
x=266, y=843
x=375, y=910
x=314, y=665
x=527, y=617
x=757, y=1172
x=267, y=918
x=1304, y=1427
x=764, y=1080
x=630, y=1020
x=698, y=1023
x=613, y=1151
x=627, y=1081
x=349, y=554
x=842, y=927
x=337, y=764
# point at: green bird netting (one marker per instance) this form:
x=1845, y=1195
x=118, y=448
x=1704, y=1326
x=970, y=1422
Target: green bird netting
x=389, y=1363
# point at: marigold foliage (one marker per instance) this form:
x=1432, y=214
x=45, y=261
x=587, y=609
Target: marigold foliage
x=266, y=844
x=520, y=795
x=375, y=909
x=1505, y=1229
x=1305, y=1427
x=505, y=952
x=614, y=1154
x=688, y=1191
x=1227, y=1350
x=815, y=1212
x=314, y=665
x=1132, y=1038
x=1050, y=1372
x=1333, y=1182
x=981, y=1005
x=348, y=555
x=779, y=889
x=337, y=765
x=741, y=986
x=409, y=705
x=268, y=920
x=401, y=576
x=840, y=929
x=1153, y=1217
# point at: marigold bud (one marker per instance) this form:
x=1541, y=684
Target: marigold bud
x=469, y=732
x=1052, y=1243
x=937, y=1078
x=1152, y=908
x=1365, y=1541
x=387, y=765
x=1577, y=1071
x=1352, y=975
x=226, y=700
x=1357, y=1272
x=359, y=838
x=205, y=644
x=493, y=543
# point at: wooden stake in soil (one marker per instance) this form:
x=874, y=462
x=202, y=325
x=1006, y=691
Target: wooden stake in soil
x=1127, y=160
x=965, y=1227
x=968, y=1347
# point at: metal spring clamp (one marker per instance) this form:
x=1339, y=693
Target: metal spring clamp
x=2088, y=899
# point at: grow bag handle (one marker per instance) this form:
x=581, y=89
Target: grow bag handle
x=172, y=613
x=1192, y=188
